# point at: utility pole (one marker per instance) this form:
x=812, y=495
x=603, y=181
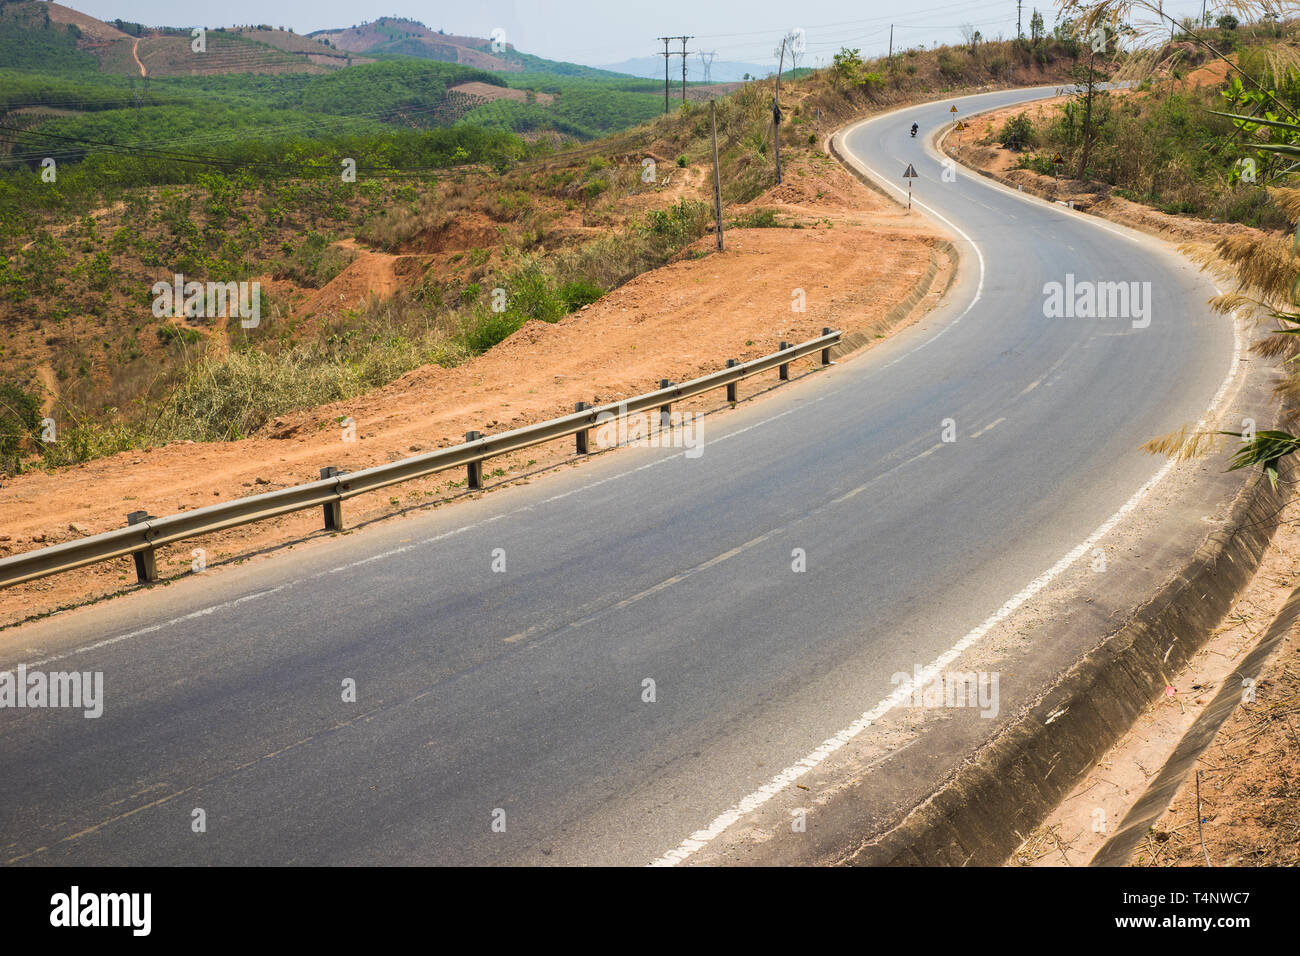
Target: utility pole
x=776, y=114
x=1160, y=12
x=666, y=39
x=891, y=41
x=717, y=181
x=1019, y=32
x=684, y=39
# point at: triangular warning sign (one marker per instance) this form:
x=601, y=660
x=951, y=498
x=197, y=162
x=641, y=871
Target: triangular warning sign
x=911, y=172
x=1057, y=158
x=953, y=110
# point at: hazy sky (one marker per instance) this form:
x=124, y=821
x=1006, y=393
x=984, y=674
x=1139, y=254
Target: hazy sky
x=608, y=31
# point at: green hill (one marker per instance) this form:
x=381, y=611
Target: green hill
x=123, y=84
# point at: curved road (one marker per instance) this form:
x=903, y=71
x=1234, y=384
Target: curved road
x=522, y=691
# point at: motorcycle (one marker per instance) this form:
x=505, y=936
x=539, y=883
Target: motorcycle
x=914, y=127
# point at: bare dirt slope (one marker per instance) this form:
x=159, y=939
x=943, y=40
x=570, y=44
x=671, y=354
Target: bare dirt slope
x=855, y=257
x=1249, y=783
x=489, y=93
x=90, y=27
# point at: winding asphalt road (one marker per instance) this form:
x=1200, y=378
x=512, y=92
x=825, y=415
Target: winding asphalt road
x=522, y=691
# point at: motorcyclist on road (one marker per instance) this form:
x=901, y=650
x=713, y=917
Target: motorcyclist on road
x=914, y=129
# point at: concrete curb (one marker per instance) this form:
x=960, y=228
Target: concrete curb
x=983, y=813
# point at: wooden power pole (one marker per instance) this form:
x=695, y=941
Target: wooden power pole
x=776, y=114
x=665, y=39
x=717, y=180
x=684, y=39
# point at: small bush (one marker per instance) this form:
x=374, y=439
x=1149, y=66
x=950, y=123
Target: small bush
x=486, y=329
x=578, y=293
x=178, y=333
x=529, y=295
x=1018, y=132
x=20, y=414
x=952, y=65
x=1039, y=164
x=758, y=219
x=313, y=262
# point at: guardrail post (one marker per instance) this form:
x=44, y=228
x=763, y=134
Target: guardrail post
x=666, y=409
x=333, y=509
x=783, y=373
x=584, y=436
x=826, y=352
x=146, y=561
x=731, y=386
x=474, y=470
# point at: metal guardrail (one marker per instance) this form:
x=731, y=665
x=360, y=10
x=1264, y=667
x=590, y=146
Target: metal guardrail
x=145, y=533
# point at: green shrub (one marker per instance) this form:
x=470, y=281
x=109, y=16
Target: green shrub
x=1039, y=164
x=681, y=224
x=178, y=333
x=529, y=295
x=20, y=414
x=758, y=219
x=485, y=329
x=314, y=261
x=578, y=293
x=1018, y=132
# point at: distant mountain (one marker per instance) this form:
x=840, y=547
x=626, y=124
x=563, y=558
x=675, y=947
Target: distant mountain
x=53, y=38
x=398, y=36
x=721, y=71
